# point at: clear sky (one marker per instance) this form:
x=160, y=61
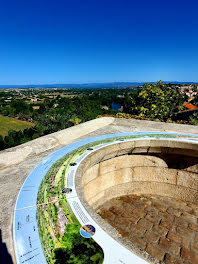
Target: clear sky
x=79, y=41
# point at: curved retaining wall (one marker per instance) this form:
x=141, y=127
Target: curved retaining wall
x=95, y=167
x=111, y=172
x=18, y=162
x=27, y=244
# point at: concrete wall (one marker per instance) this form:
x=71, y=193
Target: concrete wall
x=18, y=154
x=104, y=125
x=16, y=163
x=111, y=172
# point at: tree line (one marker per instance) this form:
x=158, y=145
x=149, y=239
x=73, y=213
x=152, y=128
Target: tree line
x=159, y=102
x=53, y=115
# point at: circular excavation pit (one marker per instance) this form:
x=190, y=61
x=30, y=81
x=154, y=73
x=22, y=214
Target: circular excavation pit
x=144, y=193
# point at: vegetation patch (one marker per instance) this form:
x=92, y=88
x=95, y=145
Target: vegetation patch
x=52, y=110
x=8, y=123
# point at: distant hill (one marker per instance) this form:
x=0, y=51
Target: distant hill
x=83, y=85
x=114, y=85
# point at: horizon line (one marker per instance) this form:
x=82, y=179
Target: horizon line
x=84, y=83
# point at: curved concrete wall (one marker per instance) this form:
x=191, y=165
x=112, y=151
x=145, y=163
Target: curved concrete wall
x=18, y=162
x=111, y=172
x=18, y=154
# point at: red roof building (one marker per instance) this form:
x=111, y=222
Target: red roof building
x=189, y=106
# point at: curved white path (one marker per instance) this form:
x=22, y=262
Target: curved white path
x=27, y=244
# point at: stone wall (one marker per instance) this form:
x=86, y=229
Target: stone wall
x=118, y=170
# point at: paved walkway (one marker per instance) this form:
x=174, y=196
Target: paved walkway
x=165, y=228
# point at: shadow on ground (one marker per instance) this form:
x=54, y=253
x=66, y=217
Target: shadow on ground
x=5, y=257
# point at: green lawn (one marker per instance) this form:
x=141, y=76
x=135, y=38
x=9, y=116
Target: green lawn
x=8, y=123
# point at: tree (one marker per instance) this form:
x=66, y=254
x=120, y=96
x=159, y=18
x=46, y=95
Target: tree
x=2, y=143
x=75, y=120
x=157, y=101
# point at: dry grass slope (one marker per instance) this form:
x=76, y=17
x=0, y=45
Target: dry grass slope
x=8, y=123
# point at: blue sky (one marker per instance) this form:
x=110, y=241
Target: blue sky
x=79, y=41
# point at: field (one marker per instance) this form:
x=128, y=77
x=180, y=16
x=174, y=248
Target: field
x=8, y=123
